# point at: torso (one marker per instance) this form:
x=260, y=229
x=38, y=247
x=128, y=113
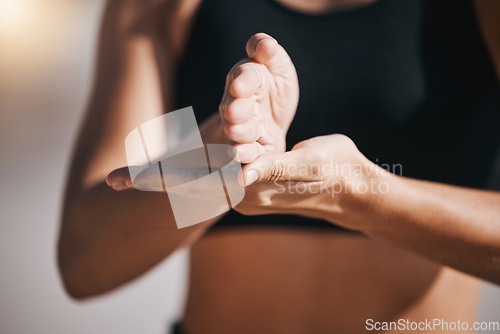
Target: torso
x=296, y=280
x=306, y=281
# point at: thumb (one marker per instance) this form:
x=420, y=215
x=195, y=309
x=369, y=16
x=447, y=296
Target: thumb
x=265, y=50
x=262, y=48
x=276, y=167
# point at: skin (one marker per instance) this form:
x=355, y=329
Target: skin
x=487, y=12
x=270, y=280
x=456, y=226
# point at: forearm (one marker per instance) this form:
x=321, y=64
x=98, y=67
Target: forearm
x=455, y=226
x=109, y=238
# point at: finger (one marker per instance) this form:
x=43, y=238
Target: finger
x=146, y=178
x=150, y=178
x=227, y=98
x=261, y=47
x=246, y=82
x=247, y=132
x=246, y=153
x=242, y=82
x=265, y=50
x=119, y=179
x=277, y=167
x=239, y=111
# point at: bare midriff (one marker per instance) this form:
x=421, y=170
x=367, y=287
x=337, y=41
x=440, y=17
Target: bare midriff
x=314, y=281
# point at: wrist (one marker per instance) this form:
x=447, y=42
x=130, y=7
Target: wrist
x=364, y=189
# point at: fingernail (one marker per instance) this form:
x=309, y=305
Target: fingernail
x=119, y=185
x=240, y=178
x=251, y=177
x=256, y=45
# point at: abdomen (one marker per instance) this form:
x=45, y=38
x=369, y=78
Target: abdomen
x=306, y=281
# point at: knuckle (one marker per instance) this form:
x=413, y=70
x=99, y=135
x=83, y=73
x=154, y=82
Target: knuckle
x=317, y=155
x=316, y=170
x=276, y=171
x=344, y=142
x=340, y=138
x=301, y=144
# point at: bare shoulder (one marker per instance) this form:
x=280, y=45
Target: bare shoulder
x=132, y=16
x=166, y=20
x=488, y=14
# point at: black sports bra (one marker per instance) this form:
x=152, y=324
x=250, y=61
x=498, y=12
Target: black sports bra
x=410, y=81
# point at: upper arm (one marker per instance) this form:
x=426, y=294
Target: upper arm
x=127, y=90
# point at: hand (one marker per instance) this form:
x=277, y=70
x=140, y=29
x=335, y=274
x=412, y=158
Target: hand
x=323, y=177
x=257, y=108
x=260, y=99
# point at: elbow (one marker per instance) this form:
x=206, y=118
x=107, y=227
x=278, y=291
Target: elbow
x=81, y=277
x=73, y=287
x=75, y=292
x=74, y=281
x=74, y=277
x=81, y=283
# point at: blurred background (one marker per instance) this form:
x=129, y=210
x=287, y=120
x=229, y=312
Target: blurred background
x=46, y=59
x=46, y=65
